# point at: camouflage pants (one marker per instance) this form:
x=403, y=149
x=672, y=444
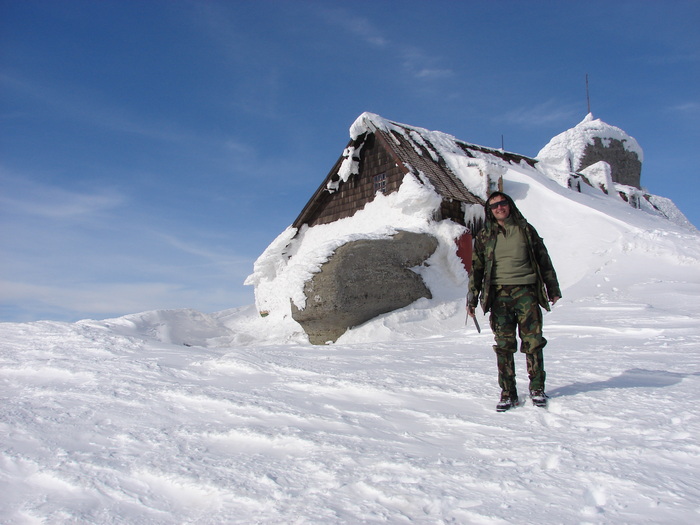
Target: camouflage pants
x=517, y=307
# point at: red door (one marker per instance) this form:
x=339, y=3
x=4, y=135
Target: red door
x=464, y=250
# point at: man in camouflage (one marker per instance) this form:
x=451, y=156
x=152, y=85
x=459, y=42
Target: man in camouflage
x=513, y=276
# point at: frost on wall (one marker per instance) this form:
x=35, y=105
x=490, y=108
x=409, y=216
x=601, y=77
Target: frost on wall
x=600, y=176
x=481, y=176
x=349, y=167
x=473, y=213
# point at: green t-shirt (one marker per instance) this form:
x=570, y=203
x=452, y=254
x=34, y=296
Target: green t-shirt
x=511, y=260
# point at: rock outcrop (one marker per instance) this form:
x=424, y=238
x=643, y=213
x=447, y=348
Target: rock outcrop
x=362, y=280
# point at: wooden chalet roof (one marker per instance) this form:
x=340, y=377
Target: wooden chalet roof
x=437, y=172
x=412, y=152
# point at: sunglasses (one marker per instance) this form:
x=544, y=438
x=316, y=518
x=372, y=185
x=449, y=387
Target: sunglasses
x=495, y=205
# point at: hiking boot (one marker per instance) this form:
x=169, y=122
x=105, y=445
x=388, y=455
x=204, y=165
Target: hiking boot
x=508, y=401
x=539, y=398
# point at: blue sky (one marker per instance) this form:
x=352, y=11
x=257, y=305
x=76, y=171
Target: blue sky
x=151, y=150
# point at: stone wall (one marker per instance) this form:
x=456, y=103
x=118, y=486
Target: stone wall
x=626, y=168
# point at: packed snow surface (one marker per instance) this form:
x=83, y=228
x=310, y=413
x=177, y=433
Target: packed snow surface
x=183, y=417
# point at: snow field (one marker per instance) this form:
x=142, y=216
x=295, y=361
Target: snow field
x=108, y=428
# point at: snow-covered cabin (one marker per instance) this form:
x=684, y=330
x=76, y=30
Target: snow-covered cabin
x=400, y=202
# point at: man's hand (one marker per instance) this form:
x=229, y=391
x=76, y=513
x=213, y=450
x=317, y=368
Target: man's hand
x=471, y=311
x=555, y=299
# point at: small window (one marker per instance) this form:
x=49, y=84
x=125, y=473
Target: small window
x=380, y=183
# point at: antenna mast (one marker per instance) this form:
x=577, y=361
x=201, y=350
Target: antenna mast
x=588, y=96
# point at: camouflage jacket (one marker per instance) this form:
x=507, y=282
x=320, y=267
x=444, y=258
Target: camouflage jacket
x=483, y=258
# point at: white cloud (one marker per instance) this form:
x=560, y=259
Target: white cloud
x=547, y=113
x=69, y=254
x=671, y=59
x=27, y=197
x=73, y=274
x=422, y=65
x=211, y=255
x=416, y=62
x=434, y=73
x=88, y=109
x=687, y=107
x=358, y=26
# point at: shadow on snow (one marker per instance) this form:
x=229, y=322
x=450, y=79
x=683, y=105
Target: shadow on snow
x=634, y=378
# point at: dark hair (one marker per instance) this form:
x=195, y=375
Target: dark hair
x=513, y=208
x=499, y=194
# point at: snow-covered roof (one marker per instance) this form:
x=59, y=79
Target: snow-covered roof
x=457, y=170
x=450, y=160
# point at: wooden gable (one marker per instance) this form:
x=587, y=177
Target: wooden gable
x=378, y=171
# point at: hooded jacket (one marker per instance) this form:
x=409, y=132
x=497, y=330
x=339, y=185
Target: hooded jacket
x=483, y=258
